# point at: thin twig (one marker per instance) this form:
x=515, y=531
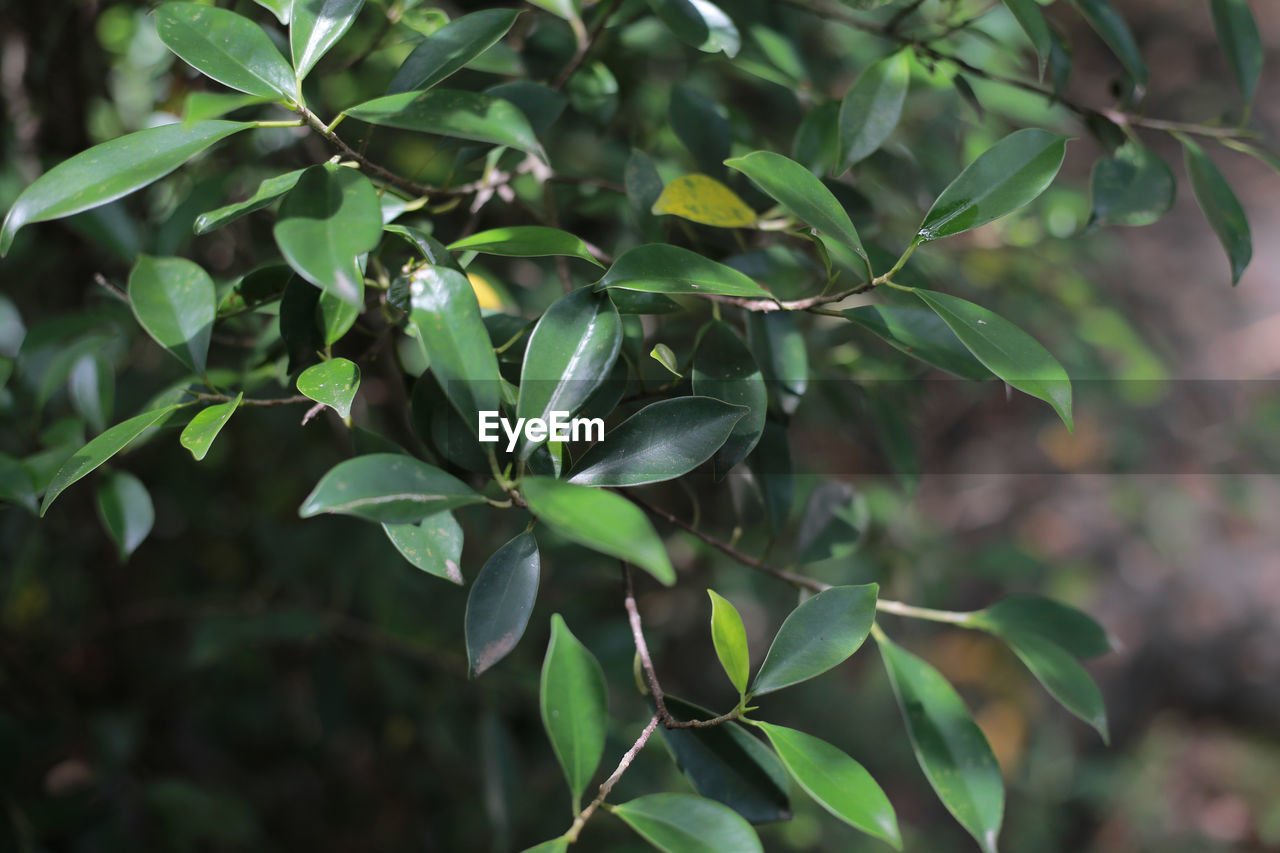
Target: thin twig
x=316, y=124
x=585, y=45
x=250, y=401
x=607, y=785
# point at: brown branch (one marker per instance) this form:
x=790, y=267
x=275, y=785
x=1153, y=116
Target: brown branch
x=607, y=785
x=250, y=401
x=807, y=304
x=316, y=124
x=585, y=44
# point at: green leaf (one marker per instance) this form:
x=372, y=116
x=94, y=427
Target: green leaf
x=268, y=191
x=500, y=602
x=817, y=635
x=636, y=302
x=701, y=126
x=871, y=108
x=816, y=144
x=526, y=241
x=227, y=47
x=102, y=448
x=432, y=250
x=390, y=488
x=730, y=639
x=569, y=356
x=316, y=26
x=1031, y=19
x=780, y=350
x=949, y=746
x=1006, y=350
x=643, y=185
x=16, y=484
x=724, y=369
x=333, y=383
x=704, y=200
x=1058, y=623
x=699, y=23
x=575, y=707
x=1132, y=187
x=1260, y=154
x=665, y=356
x=1066, y=680
x=682, y=823
x=920, y=333
x=176, y=303
x=662, y=441
x=445, y=112
x=796, y=188
x=1220, y=206
x=326, y=222
x=836, y=782
x=199, y=433
x=126, y=511
x=555, y=845
x=659, y=268
x=832, y=524
x=728, y=764
x=282, y=9
x=599, y=520
x=433, y=545
x=452, y=46
x=92, y=388
x=1003, y=178
x=1106, y=22
x=568, y=9
x=111, y=170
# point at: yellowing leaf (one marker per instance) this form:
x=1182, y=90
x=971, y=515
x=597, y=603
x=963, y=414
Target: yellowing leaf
x=705, y=200
x=486, y=295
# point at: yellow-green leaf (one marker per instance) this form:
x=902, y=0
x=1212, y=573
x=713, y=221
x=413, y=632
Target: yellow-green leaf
x=705, y=200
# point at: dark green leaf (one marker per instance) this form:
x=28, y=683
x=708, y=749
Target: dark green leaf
x=1132, y=187
x=817, y=141
x=1060, y=624
x=526, y=241
x=730, y=640
x=574, y=705
x=445, y=112
x=433, y=544
x=832, y=525
x=1220, y=206
x=316, y=26
x=500, y=602
x=920, y=333
x=817, y=635
x=1032, y=21
x=644, y=186
x=659, y=268
x=175, y=302
x=1066, y=680
x=1106, y=22
x=770, y=464
x=111, y=170
x=325, y=223
x=951, y=749
x=390, y=488
x=836, y=782
x=662, y=441
x=724, y=369
x=16, y=484
x=267, y=192
x=1006, y=350
x=699, y=23
x=126, y=511
x=540, y=104
x=638, y=302
x=871, y=108
x=333, y=383
x=700, y=124
x=599, y=520
x=780, y=351
x=282, y=9
x=1258, y=153
x=92, y=388
x=227, y=47
x=199, y=433
x=555, y=845
x=432, y=250
x=1003, y=178
x=682, y=823
x=451, y=47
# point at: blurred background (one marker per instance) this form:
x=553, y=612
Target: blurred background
x=250, y=680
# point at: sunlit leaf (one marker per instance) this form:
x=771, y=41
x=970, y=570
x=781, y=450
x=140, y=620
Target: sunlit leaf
x=198, y=435
x=175, y=302
x=704, y=200
x=333, y=383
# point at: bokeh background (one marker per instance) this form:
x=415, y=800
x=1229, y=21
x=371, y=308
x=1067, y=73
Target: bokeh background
x=250, y=680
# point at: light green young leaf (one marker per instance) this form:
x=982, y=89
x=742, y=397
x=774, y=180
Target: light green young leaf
x=683, y=823
x=111, y=170
x=333, y=383
x=199, y=433
x=268, y=191
x=526, y=241
x=729, y=637
x=175, y=301
x=659, y=268
x=316, y=26
x=1220, y=207
x=574, y=703
x=451, y=47
x=445, y=112
x=433, y=545
x=126, y=511
x=500, y=602
x=665, y=356
x=226, y=47
x=871, y=108
x=389, y=488
x=818, y=635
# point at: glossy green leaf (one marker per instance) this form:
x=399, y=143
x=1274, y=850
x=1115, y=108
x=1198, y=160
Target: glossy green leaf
x=796, y=188
x=728, y=764
x=433, y=545
x=682, y=823
x=451, y=47
x=599, y=520
x=779, y=349
x=526, y=241
x=431, y=249
x=569, y=355
x=1003, y=178
x=199, y=433
x=282, y=9
x=500, y=602
x=665, y=356
x=326, y=222
x=723, y=368
x=1058, y=623
x=1031, y=19
x=267, y=192
x=390, y=488
x=699, y=23
x=701, y=126
x=833, y=523
x=1064, y=678
x=1132, y=187
x=315, y=26
x=1106, y=22
x=1220, y=207
x=175, y=302
x=836, y=782
x=99, y=450
x=729, y=637
x=1006, y=350
x=445, y=112
x=92, y=388
x=920, y=333
x=575, y=707
x=871, y=108
x=333, y=383
x=226, y=47
x=706, y=201
x=662, y=441
x=818, y=635
x=659, y=268
x=111, y=170
x=126, y=510
x=950, y=748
